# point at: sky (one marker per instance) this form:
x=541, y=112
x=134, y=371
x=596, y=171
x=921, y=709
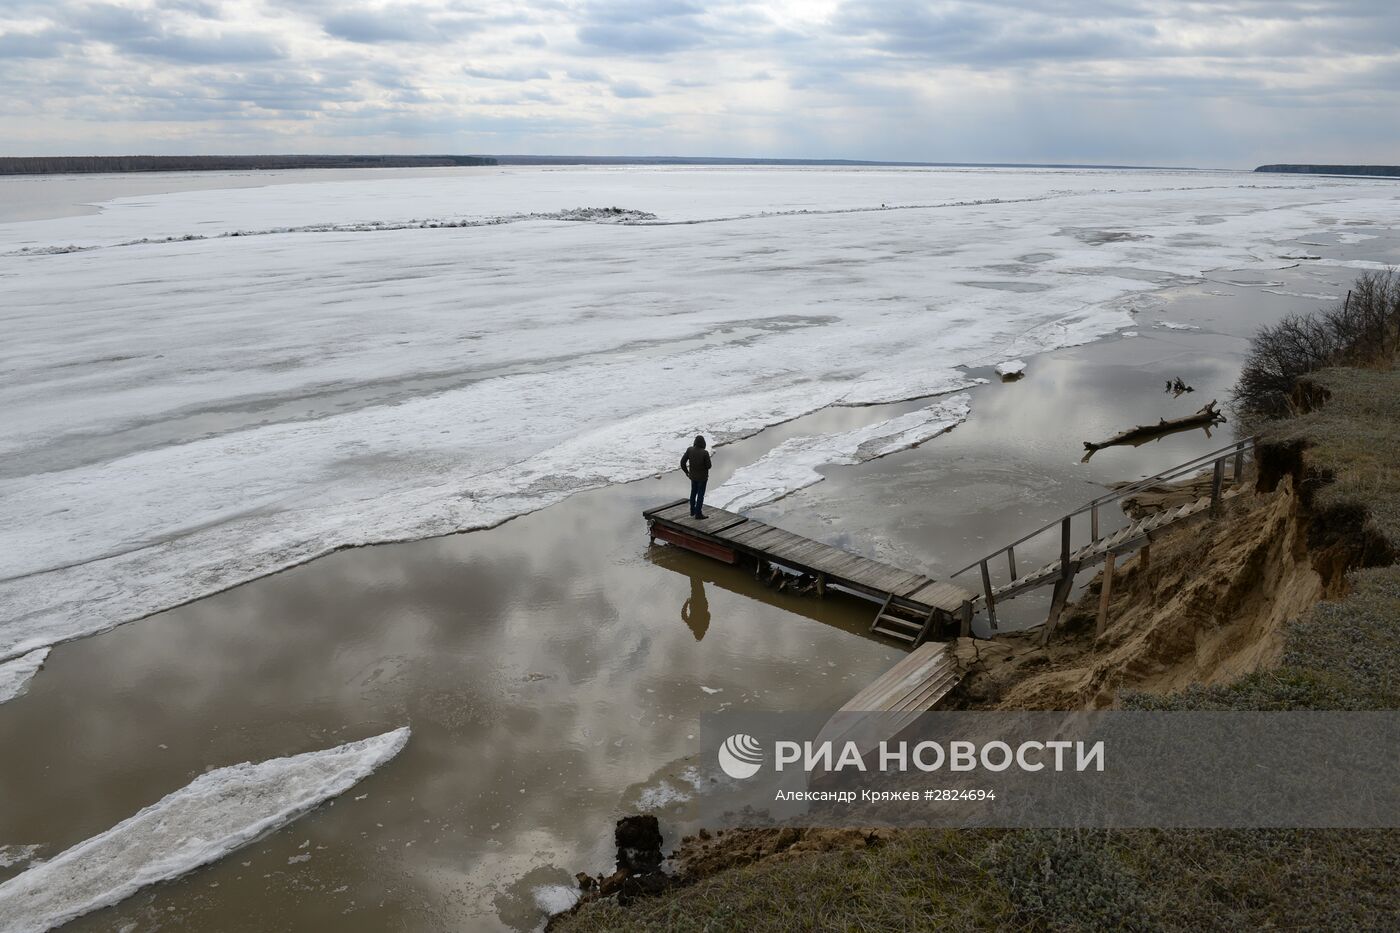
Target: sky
x=1215, y=83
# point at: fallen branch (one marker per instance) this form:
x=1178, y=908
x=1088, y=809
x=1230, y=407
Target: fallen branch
x=1207, y=417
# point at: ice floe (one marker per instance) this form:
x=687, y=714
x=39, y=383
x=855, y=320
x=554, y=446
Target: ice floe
x=16, y=855
x=202, y=822
x=794, y=464
x=1010, y=368
x=15, y=675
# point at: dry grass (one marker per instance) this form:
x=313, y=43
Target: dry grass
x=916, y=880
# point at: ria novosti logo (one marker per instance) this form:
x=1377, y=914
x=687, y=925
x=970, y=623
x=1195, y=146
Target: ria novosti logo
x=740, y=756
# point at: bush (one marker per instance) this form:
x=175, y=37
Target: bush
x=1362, y=329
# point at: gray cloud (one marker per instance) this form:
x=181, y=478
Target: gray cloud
x=508, y=74
x=1028, y=80
x=630, y=90
x=401, y=23
x=146, y=33
x=645, y=27
x=46, y=44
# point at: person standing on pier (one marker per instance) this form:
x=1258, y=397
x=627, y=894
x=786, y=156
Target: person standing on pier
x=695, y=463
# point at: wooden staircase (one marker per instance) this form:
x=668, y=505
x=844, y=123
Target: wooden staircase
x=1125, y=539
x=902, y=621
x=1102, y=548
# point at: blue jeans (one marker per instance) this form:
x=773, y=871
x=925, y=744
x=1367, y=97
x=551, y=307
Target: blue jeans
x=697, y=496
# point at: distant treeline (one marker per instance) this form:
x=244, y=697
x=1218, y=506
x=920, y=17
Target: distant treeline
x=1379, y=170
x=719, y=160
x=49, y=165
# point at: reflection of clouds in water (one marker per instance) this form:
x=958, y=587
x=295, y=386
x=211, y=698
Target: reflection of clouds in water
x=540, y=664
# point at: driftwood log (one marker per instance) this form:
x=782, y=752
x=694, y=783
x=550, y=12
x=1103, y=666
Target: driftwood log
x=1205, y=418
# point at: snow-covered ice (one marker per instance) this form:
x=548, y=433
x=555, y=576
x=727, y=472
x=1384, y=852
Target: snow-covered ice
x=392, y=359
x=14, y=855
x=794, y=464
x=15, y=675
x=1010, y=368
x=210, y=817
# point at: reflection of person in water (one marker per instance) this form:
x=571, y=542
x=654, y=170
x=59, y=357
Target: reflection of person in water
x=696, y=611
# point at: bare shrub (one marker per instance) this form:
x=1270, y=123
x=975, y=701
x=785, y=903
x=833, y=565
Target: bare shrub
x=1362, y=329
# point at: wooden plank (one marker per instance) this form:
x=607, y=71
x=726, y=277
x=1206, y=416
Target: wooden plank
x=1217, y=479
x=715, y=518
x=690, y=542
x=913, y=685
x=906, y=673
x=799, y=549
x=901, y=668
x=755, y=541
x=648, y=513
x=751, y=529
x=945, y=596
x=713, y=524
x=938, y=683
x=902, y=699
x=989, y=597
x=888, y=578
x=1063, y=587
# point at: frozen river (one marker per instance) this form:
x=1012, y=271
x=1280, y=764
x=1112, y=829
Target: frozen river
x=393, y=355
x=202, y=387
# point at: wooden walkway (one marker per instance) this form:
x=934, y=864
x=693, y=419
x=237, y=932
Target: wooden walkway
x=913, y=606
x=895, y=698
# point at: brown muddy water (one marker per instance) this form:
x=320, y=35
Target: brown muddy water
x=554, y=669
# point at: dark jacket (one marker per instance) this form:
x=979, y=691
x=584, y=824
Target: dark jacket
x=695, y=463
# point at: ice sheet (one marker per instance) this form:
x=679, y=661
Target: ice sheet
x=795, y=463
x=207, y=819
x=185, y=416
x=15, y=675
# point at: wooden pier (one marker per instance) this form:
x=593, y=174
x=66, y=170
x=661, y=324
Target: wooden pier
x=913, y=607
x=916, y=609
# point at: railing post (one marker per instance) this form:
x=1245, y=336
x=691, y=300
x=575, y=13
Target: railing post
x=1064, y=546
x=987, y=593
x=1105, y=594
x=1094, y=522
x=1011, y=560
x=1217, y=478
x=1239, y=463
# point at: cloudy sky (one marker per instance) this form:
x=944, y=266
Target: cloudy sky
x=1209, y=83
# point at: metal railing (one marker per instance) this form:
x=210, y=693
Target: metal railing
x=1216, y=458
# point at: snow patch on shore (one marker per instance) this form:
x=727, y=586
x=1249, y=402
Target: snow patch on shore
x=15, y=675
x=794, y=464
x=202, y=822
x=555, y=898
